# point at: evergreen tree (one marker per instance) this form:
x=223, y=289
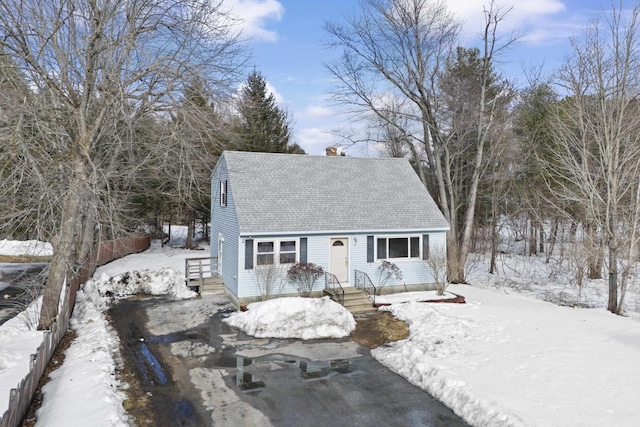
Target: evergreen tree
x=264, y=126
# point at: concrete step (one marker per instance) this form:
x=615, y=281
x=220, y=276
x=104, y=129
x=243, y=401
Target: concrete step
x=212, y=291
x=354, y=300
x=361, y=309
x=356, y=297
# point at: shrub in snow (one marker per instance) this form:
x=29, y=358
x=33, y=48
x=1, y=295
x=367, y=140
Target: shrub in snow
x=386, y=269
x=270, y=279
x=305, y=275
x=436, y=265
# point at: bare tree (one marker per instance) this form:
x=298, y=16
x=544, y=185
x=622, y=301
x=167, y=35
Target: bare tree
x=597, y=164
x=436, y=266
x=398, y=50
x=101, y=68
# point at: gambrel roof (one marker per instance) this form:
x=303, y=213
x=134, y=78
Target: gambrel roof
x=290, y=193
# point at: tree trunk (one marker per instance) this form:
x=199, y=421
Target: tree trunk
x=88, y=230
x=494, y=243
x=552, y=239
x=64, y=249
x=533, y=243
x=593, y=258
x=190, y=229
x=541, y=237
x=613, y=277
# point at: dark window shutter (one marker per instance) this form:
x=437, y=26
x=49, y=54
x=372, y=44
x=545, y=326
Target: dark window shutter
x=369, y=248
x=303, y=249
x=382, y=248
x=248, y=254
x=425, y=247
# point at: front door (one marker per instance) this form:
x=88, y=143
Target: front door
x=339, y=259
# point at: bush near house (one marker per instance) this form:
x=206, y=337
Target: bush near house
x=305, y=275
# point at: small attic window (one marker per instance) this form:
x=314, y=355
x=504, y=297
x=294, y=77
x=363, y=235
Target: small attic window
x=223, y=193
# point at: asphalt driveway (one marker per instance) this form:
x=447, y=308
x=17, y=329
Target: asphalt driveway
x=198, y=371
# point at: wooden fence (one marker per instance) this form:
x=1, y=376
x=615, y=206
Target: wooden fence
x=21, y=396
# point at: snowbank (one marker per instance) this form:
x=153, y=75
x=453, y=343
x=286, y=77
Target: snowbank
x=19, y=339
x=295, y=317
x=510, y=360
x=26, y=248
x=87, y=379
x=165, y=281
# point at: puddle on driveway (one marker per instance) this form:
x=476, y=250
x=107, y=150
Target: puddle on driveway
x=324, y=369
x=245, y=380
x=149, y=365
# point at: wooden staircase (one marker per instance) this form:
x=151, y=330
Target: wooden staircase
x=201, y=273
x=355, y=300
x=212, y=286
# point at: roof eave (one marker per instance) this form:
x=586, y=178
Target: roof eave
x=246, y=234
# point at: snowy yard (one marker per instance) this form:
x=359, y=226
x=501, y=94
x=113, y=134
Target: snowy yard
x=506, y=358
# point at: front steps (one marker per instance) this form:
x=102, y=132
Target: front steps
x=355, y=300
x=209, y=286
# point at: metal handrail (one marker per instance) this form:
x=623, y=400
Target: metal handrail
x=332, y=284
x=364, y=282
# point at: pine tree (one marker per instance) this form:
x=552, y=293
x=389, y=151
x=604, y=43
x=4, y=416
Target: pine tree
x=264, y=126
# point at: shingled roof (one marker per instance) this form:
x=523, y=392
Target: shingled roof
x=288, y=193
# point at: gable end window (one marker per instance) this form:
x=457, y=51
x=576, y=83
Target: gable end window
x=397, y=247
x=223, y=193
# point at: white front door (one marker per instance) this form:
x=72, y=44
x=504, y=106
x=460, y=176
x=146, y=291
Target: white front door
x=339, y=259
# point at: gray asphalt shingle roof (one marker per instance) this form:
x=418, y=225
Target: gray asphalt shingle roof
x=292, y=193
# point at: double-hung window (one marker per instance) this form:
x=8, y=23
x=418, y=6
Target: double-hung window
x=265, y=253
x=287, y=251
x=270, y=252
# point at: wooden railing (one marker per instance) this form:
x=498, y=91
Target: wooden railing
x=364, y=282
x=21, y=396
x=332, y=284
x=199, y=269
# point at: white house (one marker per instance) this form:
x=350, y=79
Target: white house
x=345, y=214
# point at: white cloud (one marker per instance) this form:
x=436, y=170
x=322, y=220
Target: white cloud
x=277, y=95
x=524, y=15
x=318, y=111
x=254, y=15
x=314, y=140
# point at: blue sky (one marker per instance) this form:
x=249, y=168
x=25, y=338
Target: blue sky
x=287, y=44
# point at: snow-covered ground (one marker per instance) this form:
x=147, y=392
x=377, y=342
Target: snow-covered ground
x=27, y=247
x=505, y=358
x=294, y=317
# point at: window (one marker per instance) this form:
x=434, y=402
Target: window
x=397, y=247
x=265, y=253
x=288, y=252
x=275, y=251
x=223, y=193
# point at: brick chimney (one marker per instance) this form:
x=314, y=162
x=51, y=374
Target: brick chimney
x=332, y=151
